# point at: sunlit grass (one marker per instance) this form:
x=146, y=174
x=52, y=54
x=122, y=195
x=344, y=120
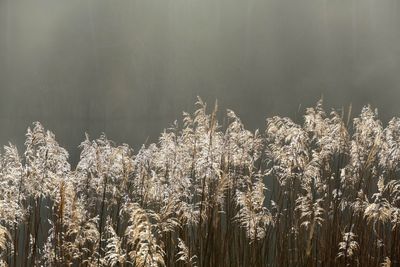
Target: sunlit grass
x=198, y=197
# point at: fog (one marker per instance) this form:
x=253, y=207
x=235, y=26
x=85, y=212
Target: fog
x=129, y=68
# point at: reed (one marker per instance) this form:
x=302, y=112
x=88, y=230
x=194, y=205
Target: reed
x=324, y=192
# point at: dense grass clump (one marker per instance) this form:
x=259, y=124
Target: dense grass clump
x=199, y=196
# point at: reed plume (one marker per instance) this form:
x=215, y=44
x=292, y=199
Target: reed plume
x=318, y=192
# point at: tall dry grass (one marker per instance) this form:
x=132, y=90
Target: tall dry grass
x=321, y=193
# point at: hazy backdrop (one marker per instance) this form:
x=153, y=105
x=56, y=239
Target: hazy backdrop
x=129, y=68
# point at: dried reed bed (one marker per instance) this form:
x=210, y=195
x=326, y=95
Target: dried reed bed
x=198, y=197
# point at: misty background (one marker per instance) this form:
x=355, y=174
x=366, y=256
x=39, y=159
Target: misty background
x=129, y=68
